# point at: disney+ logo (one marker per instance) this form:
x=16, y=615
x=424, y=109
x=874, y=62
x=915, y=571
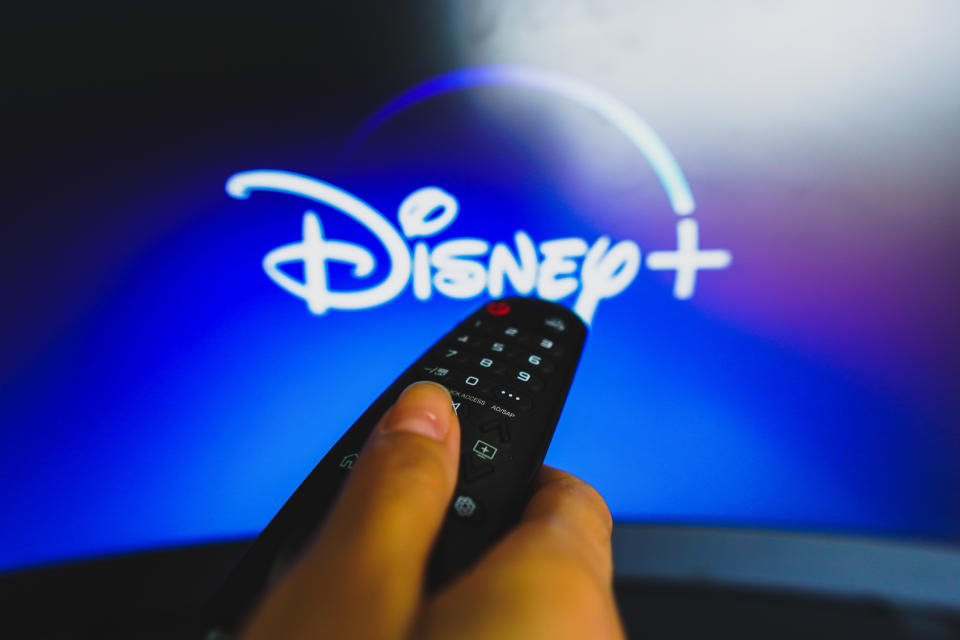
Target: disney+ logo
x=459, y=268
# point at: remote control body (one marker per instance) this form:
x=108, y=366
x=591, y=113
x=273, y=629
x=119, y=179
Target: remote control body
x=508, y=368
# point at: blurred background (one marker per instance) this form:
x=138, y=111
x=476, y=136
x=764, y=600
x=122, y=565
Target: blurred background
x=159, y=390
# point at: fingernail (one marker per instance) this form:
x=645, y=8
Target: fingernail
x=422, y=408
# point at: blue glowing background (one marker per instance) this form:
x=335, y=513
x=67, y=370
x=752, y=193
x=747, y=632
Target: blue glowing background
x=193, y=395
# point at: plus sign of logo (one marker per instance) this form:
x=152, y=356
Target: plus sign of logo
x=464, y=268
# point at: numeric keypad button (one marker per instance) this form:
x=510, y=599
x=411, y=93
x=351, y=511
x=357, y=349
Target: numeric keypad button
x=538, y=362
x=485, y=362
x=465, y=340
x=525, y=380
x=481, y=382
x=511, y=332
x=547, y=345
x=479, y=325
x=501, y=350
x=450, y=354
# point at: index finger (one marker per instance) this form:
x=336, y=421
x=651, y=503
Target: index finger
x=567, y=510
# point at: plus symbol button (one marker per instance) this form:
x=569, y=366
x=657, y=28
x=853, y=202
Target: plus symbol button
x=484, y=450
x=687, y=259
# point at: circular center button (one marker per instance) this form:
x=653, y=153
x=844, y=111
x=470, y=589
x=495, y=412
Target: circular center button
x=465, y=507
x=497, y=308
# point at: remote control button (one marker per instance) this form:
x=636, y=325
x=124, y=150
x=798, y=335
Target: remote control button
x=495, y=423
x=470, y=339
x=511, y=332
x=548, y=346
x=525, y=380
x=466, y=508
x=451, y=354
x=482, y=384
x=556, y=324
x=473, y=468
x=498, y=308
x=504, y=350
x=498, y=347
x=495, y=366
x=517, y=400
x=538, y=362
x=484, y=450
x=438, y=373
x=481, y=325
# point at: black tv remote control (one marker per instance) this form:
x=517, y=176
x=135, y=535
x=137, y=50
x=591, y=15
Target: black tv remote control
x=508, y=368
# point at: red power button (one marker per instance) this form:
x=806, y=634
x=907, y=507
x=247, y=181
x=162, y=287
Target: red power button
x=498, y=308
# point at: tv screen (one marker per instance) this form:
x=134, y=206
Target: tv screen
x=226, y=234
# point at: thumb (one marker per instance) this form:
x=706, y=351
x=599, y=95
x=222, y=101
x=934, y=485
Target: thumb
x=363, y=575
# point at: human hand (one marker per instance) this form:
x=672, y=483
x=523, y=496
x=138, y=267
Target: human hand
x=363, y=574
